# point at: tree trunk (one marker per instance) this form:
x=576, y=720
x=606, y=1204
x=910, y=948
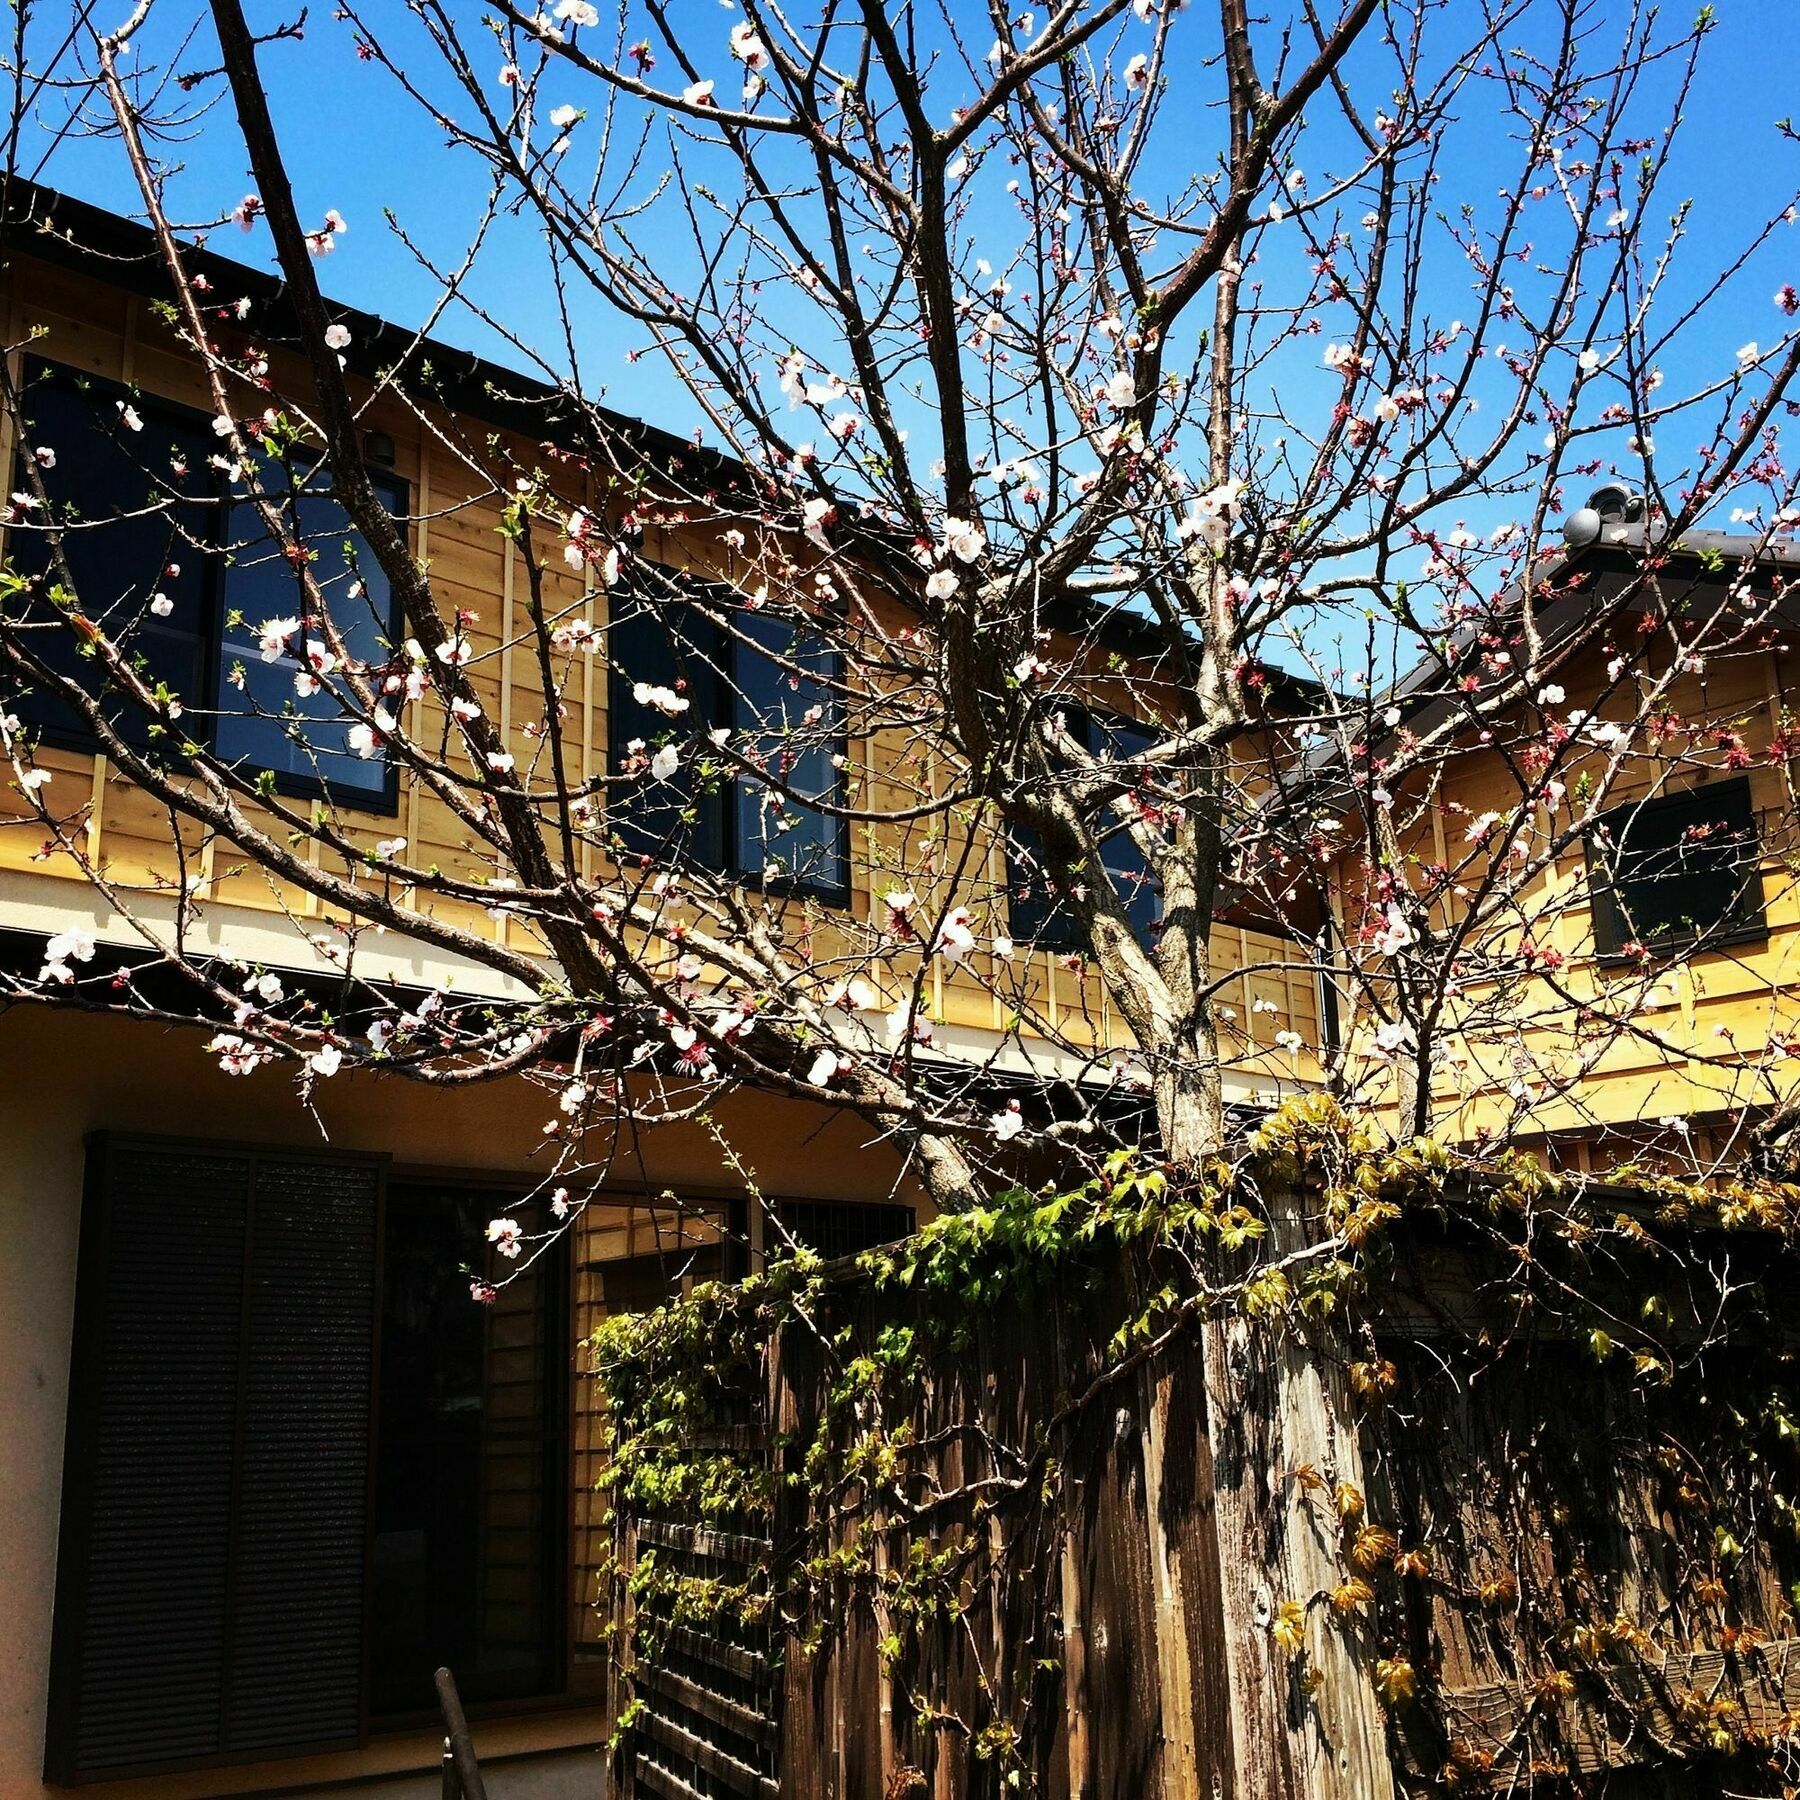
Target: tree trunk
x=1306, y=1726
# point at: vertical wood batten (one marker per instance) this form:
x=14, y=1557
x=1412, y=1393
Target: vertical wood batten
x=933, y=772
x=128, y=341
x=1290, y=997
x=999, y=915
x=422, y=552
x=95, y=829
x=592, y=603
x=507, y=562
x=1441, y=855
x=1181, y=1750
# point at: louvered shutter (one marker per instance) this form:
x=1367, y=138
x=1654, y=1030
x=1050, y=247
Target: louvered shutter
x=211, y=1564
x=296, y=1631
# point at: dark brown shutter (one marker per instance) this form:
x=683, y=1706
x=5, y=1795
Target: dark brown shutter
x=296, y=1621
x=210, y=1569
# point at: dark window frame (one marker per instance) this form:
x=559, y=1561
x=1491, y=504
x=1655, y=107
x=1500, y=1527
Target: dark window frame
x=1055, y=932
x=729, y=859
x=382, y=802
x=1613, y=930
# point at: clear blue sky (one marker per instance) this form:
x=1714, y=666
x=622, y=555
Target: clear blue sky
x=353, y=144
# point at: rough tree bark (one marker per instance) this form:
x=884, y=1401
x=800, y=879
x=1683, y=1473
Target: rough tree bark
x=1283, y=1435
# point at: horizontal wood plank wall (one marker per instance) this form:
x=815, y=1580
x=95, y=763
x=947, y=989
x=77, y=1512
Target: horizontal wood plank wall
x=95, y=328
x=1714, y=1018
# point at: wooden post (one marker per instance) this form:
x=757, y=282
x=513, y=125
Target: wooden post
x=459, y=1748
x=1180, y=1721
x=624, y=1649
x=1306, y=1726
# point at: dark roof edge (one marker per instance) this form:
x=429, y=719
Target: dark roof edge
x=60, y=229
x=1419, y=687
x=1700, y=542
x=75, y=234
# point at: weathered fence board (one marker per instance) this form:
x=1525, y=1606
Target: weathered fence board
x=1283, y=1441
x=1120, y=1557
x=1102, y=1628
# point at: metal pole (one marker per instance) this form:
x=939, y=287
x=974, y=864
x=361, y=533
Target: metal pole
x=459, y=1750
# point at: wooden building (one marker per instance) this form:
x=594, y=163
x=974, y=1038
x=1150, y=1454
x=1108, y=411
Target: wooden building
x=265, y=1466
x=1627, y=835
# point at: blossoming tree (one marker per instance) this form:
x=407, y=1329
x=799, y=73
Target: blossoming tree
x=1155, y=422
x=1020, y=415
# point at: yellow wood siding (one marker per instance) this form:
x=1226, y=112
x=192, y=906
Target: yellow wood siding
x=456, y=533
x=1707, y=1037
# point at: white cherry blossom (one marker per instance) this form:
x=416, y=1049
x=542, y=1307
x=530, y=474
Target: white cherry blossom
x=955, y=938
x=964, y=540
x=272, y=637
x=1396, y=934
x=659, y=699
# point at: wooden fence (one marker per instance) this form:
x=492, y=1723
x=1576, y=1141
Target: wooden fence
x=1547, y=1589
x=1100, y=1629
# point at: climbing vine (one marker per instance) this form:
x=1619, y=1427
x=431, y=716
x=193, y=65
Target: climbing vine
x=1573, y=1400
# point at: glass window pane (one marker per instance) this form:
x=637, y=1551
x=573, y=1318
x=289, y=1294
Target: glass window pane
x=1035, y=914
x=1680, y=866
x=787, y=720
x=1036, y=911
x=263, y=718
x=664, y=645
x=136, y=504
x=470, y=1464
x=1125, y=862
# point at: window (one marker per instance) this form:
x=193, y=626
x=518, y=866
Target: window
x=303, y=1468
x=1038, y=913
x=138, y=504
x=1679, y=868
x=467, y=1552
x=141, y=504
x=771, y=687
x=262, y=720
